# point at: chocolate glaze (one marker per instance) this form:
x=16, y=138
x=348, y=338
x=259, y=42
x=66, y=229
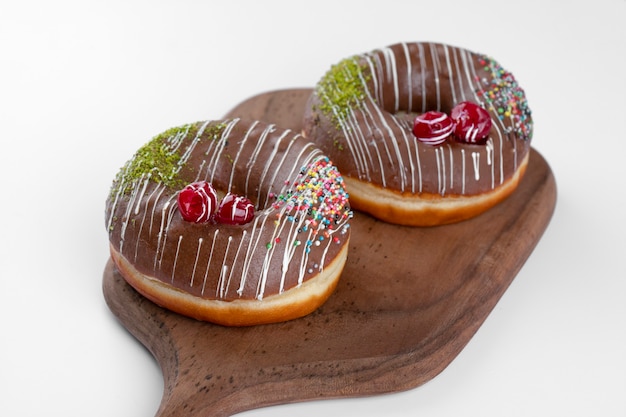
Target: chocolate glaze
x=369, y=134
x=290, y=239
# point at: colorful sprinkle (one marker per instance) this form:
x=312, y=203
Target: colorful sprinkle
x=316, y=201
x=505, y=97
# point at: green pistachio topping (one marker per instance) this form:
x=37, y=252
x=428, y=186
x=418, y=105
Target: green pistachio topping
x=214, y=131
x=342, y=87
x=159, y=159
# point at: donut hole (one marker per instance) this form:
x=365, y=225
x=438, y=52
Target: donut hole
x=406, y=109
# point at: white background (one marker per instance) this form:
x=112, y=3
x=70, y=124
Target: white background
x=83, y=84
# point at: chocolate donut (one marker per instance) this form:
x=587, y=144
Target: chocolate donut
x=369, y=112
x=271, y=250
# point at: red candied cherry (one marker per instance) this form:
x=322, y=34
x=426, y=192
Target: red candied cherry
x=473, y=123
x=235, y=209
x=432, y=127
x=197, y=202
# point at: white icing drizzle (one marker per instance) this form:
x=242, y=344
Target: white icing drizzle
x=232, y=270
x=407, y=145
x=208, y=265
x=270, y=164
x=161, y=236
x=440, y=172
x=409, y=75
x=489, y=151
x=259, y=145
x=180, y=239
x=476, y=160
x=145, y=215
x=242, y=145
x=463, y=171
x=195, y=263
x=221, y=282
x=451, y=156
x=434, y=55
x=422, y=58
x=449, y=66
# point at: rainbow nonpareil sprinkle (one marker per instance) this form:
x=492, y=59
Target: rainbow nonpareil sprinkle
x=317, y=201
x=503, y=95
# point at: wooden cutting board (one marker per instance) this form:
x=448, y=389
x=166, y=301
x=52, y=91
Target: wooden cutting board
x=408, y=301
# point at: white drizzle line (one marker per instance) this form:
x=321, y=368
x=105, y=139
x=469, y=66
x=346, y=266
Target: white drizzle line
x=489, y=151
x=118, y=194
x=372, y=68
x=407, y=147
x=340, y=228
x=463, y=171
x=348, y=126
x=459, y=76
x=145, y=215
x=176, y=140
x=230, y=276
x=273, y=180
x=180, y=239
x=356, y=127
x=422, y=56
x=269, y=163
x=165, y=223
x=290, y=249
x=146, y=181
x=161, y=189
x=208, y=265
x=200, y=168
x=409, y=78
x=304, y=260
x=396, y=149
x=433, y=53
x=187, y=154
x=262, y=278
x=419, y=164
x=257, y=149
x=441, y=170
x=500, y=150
x=379, y=116
x=219, y=291
x=378, y=74
x=219, y=148
x=242, y=144
x=195, y=264
x=264, y=270
x=366, y=111
x=193, y=144
x=252, y=247
x=451, y=165
x=449, y=65
x=392, y=74
x=128, y=211
x=476, y=160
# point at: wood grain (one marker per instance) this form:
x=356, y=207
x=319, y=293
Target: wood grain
x=407, y=303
